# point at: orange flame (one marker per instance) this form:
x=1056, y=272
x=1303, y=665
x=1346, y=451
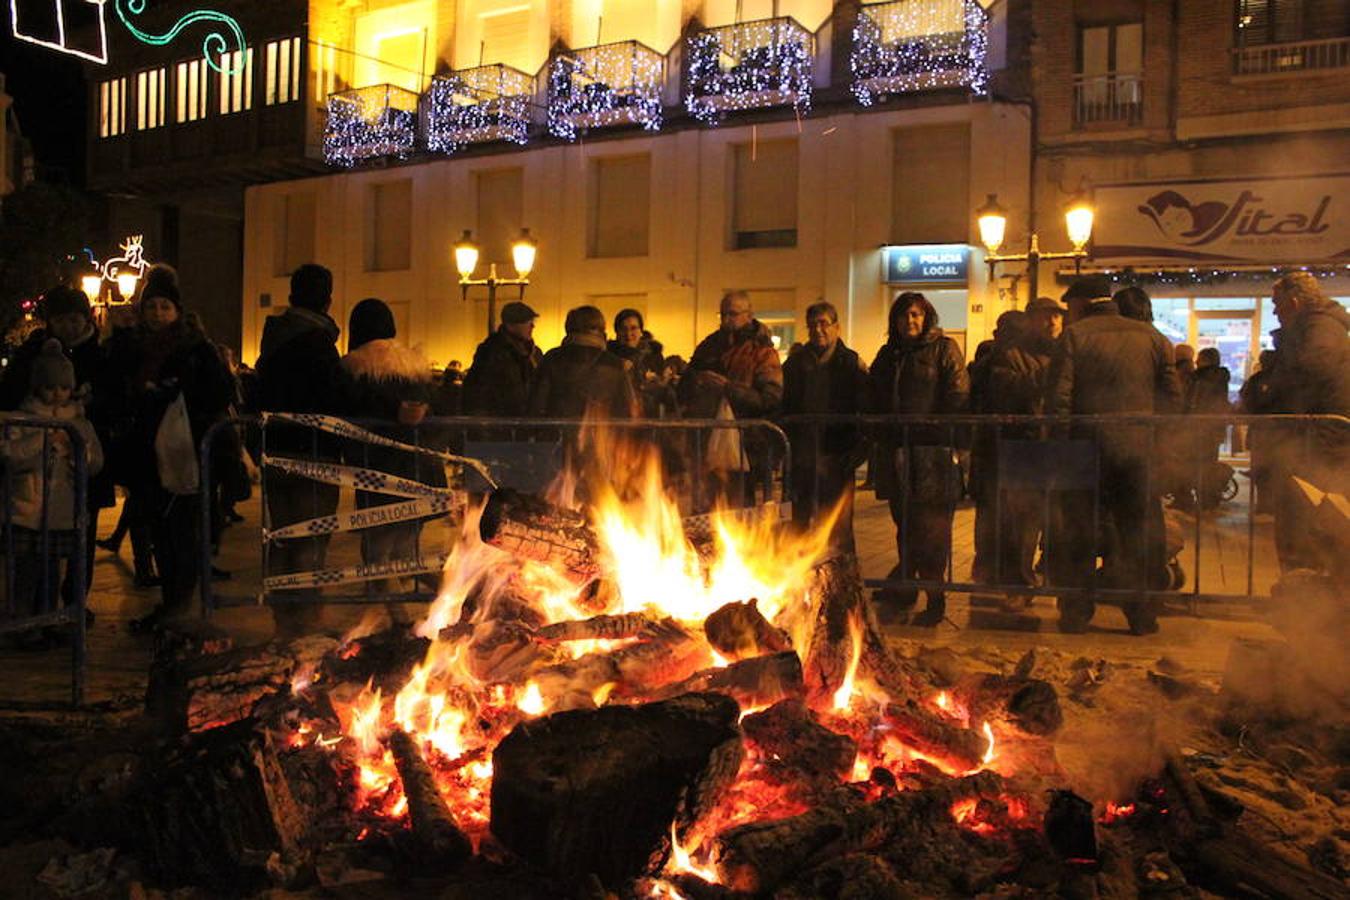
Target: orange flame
x=844, y=694
x=989, y=751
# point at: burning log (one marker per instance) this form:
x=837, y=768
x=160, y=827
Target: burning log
x=757, y=857
x=441, y=842
x=740, y=631
x=752, y=682
x=1029, y=703
x=787, y=733
x=532, y=528
x=608, y=628
x=645, y=666
x=501, y=651
x=595, y=791
x=934, y=736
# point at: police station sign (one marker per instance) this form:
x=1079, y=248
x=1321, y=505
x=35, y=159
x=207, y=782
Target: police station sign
x=926, y=264
x=1270, y=220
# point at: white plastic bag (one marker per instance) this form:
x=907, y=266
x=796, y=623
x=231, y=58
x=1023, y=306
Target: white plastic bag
x=724, y=445
x=175, y=452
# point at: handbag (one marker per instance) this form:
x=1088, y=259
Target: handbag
x=175, y=451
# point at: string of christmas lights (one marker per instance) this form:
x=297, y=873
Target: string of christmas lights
x=486, y=103
x=749, y=65
x=1208, y=276
x=905, y=46
x=370, y=122
x=611, y=84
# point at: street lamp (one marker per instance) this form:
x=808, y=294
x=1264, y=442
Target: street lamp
x=466, y=254
x=993, y=223
x=126, y=285
x=92, y=285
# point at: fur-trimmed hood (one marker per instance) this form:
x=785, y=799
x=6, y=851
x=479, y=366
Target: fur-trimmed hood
x=387, y=360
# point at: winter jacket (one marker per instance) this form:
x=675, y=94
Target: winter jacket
x=645, y=364
x=923, y=376
x=1208, y=392
x=498, y=382
x=90, y=358
x=844, y=392
x=747, y=359
x=1017, y=378
x=582, y=376
x=1312, y=371
x=382, y=375
x=23, y=456
x=298, y=371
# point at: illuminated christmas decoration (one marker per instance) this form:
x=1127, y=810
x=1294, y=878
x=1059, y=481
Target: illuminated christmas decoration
x=121, y=272
x=215, y=46
x=611, y=84
x=919, y=45
x=487, y=103
x=23, y=26
x=749, y=65
x=1207, y=275
x=370, y=122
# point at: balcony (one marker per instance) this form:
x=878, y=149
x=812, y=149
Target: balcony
x=749, y=65
x=610, y=84
x=1115, y=98
x=919, y=45
x=474, y=106
x=368, y=123
x=1292, y=58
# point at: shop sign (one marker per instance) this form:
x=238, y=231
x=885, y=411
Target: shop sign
x=926, y=264
x=1270, y=220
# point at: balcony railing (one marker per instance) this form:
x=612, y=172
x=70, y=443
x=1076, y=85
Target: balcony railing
x=470, y=106
x=919, y=45
x=1299, y=56
x=370, y=122
x=749, y=65
x=1114, y=97
x=610, y=84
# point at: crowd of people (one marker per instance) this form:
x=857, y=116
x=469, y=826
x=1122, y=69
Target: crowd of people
x=1091, y=354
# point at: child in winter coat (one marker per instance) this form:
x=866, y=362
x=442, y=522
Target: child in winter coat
x=42, y=464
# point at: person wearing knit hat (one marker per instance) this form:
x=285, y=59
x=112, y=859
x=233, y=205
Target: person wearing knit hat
x=52, y=370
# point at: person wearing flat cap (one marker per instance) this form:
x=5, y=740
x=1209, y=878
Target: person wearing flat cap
x=504, y=365
x=1109, y=364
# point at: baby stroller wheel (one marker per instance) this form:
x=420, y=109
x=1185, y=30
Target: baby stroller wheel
x=1176, y=576
x=1230, y=490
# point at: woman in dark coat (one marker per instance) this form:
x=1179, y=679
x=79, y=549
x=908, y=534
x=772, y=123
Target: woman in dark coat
x=645, y=363
x=919, y=372
x=391, y=383
x=165, y=354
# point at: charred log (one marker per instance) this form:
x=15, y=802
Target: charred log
x=595, y=791
x=608, y=628
x=761, y=681
x=1028, y=703
x=836, y=592
x=441, y=844
x=532, y=528
x=787, y=733
x=760, y=856
x=386, y=658
x=935, y=736
x=740, y=631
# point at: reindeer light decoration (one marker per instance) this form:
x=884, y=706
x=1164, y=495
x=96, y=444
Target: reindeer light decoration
x=121, y=272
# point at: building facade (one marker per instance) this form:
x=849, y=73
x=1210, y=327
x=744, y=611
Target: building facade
x=672, y=152
x=1215, y=136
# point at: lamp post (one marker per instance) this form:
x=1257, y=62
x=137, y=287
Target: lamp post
x=126, y=285
x=466, y=254
x=993, y=223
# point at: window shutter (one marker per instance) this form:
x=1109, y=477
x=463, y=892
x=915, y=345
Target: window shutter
x=620, y=206
x=930, y=196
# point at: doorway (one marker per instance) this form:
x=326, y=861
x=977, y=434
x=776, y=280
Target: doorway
x=1231, y=333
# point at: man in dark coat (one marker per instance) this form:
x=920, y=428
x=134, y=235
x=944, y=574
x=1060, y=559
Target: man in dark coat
x=299, y=371
x=70, y=320
x=581, y=377
x=1311, y=376
x=983, y=464
x=1207, y=395
x=824, y=376
x=1108, y=364
x=504, y=365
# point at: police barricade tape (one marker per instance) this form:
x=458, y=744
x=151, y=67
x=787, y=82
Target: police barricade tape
x=343, y=428
x=356, y=574
x=355, y=477
x=370, y=517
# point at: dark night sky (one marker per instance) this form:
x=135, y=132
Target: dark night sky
x=49, y=99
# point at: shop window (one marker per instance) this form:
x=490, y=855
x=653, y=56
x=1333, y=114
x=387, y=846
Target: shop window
x=764, y=196
x=389, y=226
x=281, y=63
x=296, y=226
x=501, y=212
x=1172, y=316
x=620, y=206
x=151, y=88
x=930, y=185
x=191, y=91
x=236, y=81
x=112, y=108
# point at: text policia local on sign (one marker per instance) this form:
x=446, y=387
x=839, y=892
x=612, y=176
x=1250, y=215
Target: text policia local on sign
x=927, y=264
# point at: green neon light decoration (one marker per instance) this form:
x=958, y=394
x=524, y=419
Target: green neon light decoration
x=214, y=46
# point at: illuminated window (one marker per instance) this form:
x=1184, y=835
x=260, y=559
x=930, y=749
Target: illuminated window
x=191, y=88
x=236, y=81
x=282, y=62
x=324, y=60
x=151, y=88
x=112, y=107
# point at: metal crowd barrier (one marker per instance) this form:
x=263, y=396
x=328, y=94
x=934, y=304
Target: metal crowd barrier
x=33, y=556
x=1059, y=458
x=521, y=453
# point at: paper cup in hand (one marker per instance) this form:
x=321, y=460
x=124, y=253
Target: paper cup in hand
x=411, y=412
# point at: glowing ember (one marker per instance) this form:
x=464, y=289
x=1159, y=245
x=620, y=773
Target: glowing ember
x=531, y=703
x=1115, y=812
x=943, y=701
x=681, y=862
x=989, y=751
